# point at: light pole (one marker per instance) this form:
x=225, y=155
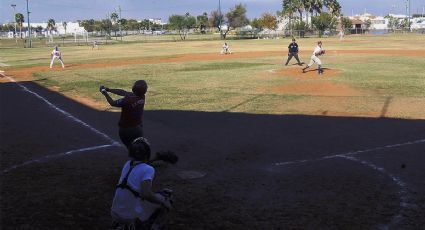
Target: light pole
x=14, y=19
x=29, y=28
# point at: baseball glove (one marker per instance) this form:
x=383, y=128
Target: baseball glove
x=166, y=156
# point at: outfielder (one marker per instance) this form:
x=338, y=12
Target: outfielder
x=314, y=58
x=293, y=52
x=226, y=49
x=56, y=54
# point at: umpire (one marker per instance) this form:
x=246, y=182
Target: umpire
x=293, y=52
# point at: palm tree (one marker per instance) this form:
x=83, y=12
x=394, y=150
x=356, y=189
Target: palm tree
x=19, y=18
x=317, y=6
x=333, y=6
x=51, y=25
x=64, y=24
x=289, y=8
x=114, y=19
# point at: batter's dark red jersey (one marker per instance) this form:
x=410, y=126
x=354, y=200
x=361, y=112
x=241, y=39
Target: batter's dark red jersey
x=132, y=107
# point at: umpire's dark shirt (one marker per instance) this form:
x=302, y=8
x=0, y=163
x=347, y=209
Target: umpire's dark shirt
x=293, y=47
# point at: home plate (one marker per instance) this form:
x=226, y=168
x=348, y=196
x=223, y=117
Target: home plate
x=191, y=174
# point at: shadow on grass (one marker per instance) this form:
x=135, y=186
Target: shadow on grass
x=242, y=188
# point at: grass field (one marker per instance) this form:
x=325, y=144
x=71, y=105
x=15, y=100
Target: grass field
x=276, y=148
x=357, y=84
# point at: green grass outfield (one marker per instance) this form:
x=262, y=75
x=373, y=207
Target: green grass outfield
x=246, y=84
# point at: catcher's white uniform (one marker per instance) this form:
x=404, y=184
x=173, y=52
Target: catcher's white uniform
x=56, y=54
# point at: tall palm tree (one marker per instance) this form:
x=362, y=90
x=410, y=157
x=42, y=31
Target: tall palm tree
x=289, y=7
x=50, y=26
x=308, y=6
x=19, y=18
x=64, y=24
x=333, y=6
x=114, y=19
x=317, y=6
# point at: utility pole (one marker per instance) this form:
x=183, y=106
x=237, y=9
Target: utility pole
x=14, y=19
x=120, y=21
x=29, y=28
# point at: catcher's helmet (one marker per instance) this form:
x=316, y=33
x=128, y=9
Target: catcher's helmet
x=140, y=149
x=140, y=87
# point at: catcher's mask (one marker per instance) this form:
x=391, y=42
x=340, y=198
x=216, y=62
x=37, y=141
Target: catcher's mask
x=140, y=149
x=140, y=87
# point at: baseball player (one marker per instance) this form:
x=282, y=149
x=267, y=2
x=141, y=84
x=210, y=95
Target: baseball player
x=95, y=45
x=56, y=54
x=293, y=52
x=132, y=106
x=135, y=205
x=315, y=58
x=226, y=49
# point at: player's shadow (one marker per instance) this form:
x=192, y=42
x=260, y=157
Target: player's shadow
x=315, y=70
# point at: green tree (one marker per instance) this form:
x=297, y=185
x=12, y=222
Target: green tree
x=268, y=21
x=106, y=25
x=114, y=21
x=202, y=22
x=19, y=19
x=346, y=23
x=236, y=18
x=64, y=24
x=323, y=22
x=51, y=24
x=182, y=23
x=256, y=23
x=289, y=7
x=216, y=20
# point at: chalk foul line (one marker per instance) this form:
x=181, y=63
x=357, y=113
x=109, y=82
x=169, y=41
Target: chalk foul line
x=406, y=202
x=55, y=156
x=68, y=115
x=351, y=153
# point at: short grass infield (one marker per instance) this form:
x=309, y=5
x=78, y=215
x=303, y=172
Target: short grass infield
x=246, y=84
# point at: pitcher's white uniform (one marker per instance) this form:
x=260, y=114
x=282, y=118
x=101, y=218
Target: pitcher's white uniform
x=56, y=54
x=315, y=58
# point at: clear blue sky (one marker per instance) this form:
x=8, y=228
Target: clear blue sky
x=72, y=10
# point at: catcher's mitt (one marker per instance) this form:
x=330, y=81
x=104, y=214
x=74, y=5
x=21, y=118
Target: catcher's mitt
x=166, y=156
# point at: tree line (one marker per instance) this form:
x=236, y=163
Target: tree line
x=325, y=14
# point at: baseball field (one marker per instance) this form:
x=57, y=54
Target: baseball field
x=261, y=145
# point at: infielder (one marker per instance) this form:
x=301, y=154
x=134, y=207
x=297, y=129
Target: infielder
x=95, y=45
x=314, y=58
x=56, y=54
x=226, y=49
x=132, y=106
x=135, y=205
x=293, y=52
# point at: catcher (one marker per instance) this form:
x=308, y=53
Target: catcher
x=135, y=205
x=132, y=106
x=315, y=58
x=56, y=54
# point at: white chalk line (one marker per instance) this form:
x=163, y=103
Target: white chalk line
x=351, y=153
x=54, y=156
x=68, y=115
x=403, y=193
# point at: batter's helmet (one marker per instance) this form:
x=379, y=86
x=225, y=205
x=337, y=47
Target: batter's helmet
x=140, y=87
x=140, y=149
